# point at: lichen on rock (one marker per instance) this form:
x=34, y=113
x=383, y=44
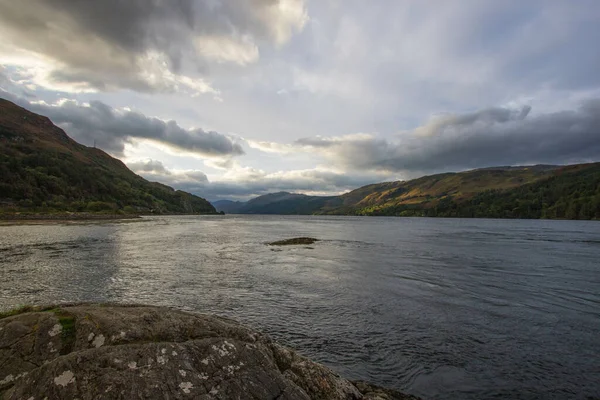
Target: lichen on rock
x=156, y=353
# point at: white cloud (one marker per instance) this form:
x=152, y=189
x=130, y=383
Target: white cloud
x=272, y=147
x=154, y=170
x=283, y=18
x=223, y=49
x=245, y=182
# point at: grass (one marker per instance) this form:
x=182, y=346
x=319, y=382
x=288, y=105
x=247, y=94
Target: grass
x=16, y=311
x=69, y=334
x=25, y=309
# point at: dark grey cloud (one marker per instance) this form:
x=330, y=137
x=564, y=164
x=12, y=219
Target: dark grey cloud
x=491, y=137
x=110, y=129
x=138, y=44
x=133, y=25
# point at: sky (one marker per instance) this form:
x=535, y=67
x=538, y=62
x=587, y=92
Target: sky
x=231, y=99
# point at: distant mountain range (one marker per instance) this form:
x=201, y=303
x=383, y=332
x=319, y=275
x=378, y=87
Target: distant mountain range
x=44, y=170
x=275, y=203
x=540, y=191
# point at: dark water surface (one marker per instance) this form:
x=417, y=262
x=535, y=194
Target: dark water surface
x=441, y=308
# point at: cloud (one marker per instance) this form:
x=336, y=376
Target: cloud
x=368, y=67
x=489, y=137
x=285, y=79
x=225, y=49
x=148, y=46
x=305, y=144
x=148, y=166
x=154, y=170
x=272, y=147
x=243, y=183
x=110, y=128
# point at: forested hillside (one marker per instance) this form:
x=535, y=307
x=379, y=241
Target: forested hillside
x=541, y=191
x=43, y=170
x=571, y=192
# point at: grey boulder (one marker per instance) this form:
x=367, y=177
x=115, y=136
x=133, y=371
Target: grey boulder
x=143, y=352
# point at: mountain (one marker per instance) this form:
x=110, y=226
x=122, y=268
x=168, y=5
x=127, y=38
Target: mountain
x=277, y=203
x=228, y=206
x=284, y=203
x=44, y=170
x=540, y=191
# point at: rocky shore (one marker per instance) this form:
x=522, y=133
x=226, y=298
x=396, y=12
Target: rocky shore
x=79, y=216
x=96, y=351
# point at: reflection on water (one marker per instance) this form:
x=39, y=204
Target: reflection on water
x=438, y=307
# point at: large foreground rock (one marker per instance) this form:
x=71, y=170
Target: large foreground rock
x=141, y=352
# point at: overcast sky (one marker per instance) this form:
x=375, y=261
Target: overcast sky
x=231, y=99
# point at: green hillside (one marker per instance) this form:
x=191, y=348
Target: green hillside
x=570, y=192
x=541, y=191
x=43, y=170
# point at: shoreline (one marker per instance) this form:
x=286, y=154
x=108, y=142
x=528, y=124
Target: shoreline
x=41, y=217
x=74, y=217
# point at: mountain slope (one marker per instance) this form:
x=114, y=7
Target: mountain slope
x=427, y=190
x=228, y=206
x=540, y=191
x=42, y=169
x=284, y=203
x=568, y=192
x=278, y=203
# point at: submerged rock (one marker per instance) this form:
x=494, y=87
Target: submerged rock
x=127, y=352
x=293, y=241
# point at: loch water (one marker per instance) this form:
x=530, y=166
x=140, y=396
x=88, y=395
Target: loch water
x=440, y=308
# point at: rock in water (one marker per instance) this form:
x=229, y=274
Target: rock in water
x=294, y=241
x=143, y=352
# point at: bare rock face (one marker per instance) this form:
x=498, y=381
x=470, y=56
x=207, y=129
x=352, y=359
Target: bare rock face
x=141, y=352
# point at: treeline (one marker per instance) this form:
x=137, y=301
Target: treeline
x=47, y=180
x=567, y=195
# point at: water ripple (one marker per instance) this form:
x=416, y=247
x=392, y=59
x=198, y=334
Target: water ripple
x=452, y=309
